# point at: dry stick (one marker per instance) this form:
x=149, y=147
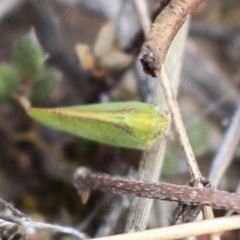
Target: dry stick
x=182, y=230
x=152, y=56
x=184, y=141
x=162, y=32
x=85, y=181
x=231, y=212
x=224, y=156
x=180, y=129
x=152, y=159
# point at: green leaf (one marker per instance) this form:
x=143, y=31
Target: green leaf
x=8, y=81
x=124, y=124
x=27, y=57
x=43, y=86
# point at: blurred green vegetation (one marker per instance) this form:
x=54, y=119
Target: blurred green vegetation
x=27, y=68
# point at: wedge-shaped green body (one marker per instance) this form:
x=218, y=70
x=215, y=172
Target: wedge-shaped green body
x=124, y=124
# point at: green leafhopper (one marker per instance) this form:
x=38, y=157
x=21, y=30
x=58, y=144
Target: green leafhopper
x=123, y=124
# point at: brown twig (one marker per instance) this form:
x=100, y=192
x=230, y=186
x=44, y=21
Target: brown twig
x=85, y=181
x=180, y=129
x=151, y=162
x=162, y=32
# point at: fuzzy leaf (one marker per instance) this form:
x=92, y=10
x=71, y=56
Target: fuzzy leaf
x=27, y=57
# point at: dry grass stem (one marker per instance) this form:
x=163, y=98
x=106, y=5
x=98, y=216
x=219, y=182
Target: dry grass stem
x=152, y=160
x=180, y=129
x=182, y=230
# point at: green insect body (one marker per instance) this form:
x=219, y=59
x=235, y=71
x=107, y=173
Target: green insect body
x=123, y=124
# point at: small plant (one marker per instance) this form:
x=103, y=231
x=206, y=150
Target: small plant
x=27, y=73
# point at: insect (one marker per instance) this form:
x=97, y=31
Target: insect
x=124, y=124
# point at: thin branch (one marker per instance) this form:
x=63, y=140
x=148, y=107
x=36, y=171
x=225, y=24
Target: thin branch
x=85, y=181
x=162, y=33
x=180, y=129
x=196, y=176
x=152, y=159
x=152, y=56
